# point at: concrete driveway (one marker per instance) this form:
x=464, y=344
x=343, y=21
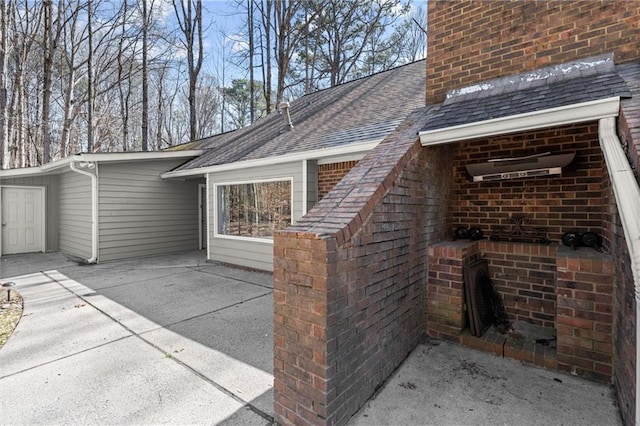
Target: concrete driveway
x=168, y=339
x=173, y=339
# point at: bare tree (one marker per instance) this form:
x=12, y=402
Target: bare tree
x=5, y=16
x=72, y=40
x=145, y=77
x=342, y=32
x=189, y=18
x=50, y=41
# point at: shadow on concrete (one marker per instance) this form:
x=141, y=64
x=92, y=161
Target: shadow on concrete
x=213, y=320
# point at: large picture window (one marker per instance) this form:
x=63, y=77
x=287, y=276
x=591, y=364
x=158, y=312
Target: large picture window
x=253, y=209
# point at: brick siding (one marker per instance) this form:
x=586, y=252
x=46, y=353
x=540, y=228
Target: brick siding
x=349, y=280
x=472, y=41
x=584, y=319
x=330, y=174
x=560, y=203
x=524, y=275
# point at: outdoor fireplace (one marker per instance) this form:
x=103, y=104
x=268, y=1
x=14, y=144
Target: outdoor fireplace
x=558, y=290
x=478, y=295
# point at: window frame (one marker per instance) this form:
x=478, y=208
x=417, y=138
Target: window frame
x=216, y=211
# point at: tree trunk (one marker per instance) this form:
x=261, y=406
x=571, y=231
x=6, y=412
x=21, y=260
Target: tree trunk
x=5, y=11
x=48, y=50
x=252, y=106
x=145, y=78
x=90, y=88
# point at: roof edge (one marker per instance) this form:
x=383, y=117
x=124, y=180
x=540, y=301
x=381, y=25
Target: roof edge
x=105, y=157
x=353, y=148
x=551, y=117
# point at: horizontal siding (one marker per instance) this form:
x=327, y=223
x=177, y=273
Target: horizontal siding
x=141, y=214
x=75, y=214
x=51, y=183
x=243, y=253
x=248, y=253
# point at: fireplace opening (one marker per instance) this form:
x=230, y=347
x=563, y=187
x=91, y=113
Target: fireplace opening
x=484, y=305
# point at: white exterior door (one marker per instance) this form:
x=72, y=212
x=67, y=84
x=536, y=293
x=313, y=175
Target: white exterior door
x=22, y=220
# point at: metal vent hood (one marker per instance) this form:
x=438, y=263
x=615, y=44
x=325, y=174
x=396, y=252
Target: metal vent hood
x=520, y=167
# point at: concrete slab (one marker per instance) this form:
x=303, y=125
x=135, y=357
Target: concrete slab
x=100, y=386
x=55, y=324
x=441, y=383
x=242, y=361
x=89, y=349
x=245, y=382
x=253, y=277
x=181, y=295
x=22, y=264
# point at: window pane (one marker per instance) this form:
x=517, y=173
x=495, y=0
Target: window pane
x=254, y=209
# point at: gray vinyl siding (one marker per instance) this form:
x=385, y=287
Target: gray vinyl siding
x=75, y=214
x=258, y=255
x=51, y=183
x=141, y=214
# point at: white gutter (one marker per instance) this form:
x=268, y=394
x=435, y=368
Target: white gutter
x=94, y=203
x=627, y=194
x=552, y=117
x=279, y=159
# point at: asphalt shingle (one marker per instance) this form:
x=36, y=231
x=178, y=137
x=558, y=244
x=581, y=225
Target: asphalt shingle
x=358, y=111
x=526, y=93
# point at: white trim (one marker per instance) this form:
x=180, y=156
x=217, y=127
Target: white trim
x=552, y=117
x=200, y=205
x=100, y=157
x=305, y=189
x=267, y=240
x=94, y=204
x=627, y=195
x=43, y=216
x=210, y=201
x=353, y=148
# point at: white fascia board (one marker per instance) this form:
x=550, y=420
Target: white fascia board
x=24, y=172
x=294, y=157
x=552, y=117
x=63, y=163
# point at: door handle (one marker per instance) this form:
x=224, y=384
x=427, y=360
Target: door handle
x=4, y=224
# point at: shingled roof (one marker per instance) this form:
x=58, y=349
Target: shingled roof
x=571, y=83
x=362, y=110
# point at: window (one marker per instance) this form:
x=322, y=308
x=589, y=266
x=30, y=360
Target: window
x=253, y=209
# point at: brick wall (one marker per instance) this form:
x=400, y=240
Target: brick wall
x=629, y=122
x=472, y=41
x=568, y=202
x=349, y=280
x=446, y=316
x=524, y=275
x=330, y=174
x=584, y=315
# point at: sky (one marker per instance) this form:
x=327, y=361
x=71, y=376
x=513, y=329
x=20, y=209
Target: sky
x=225, y=22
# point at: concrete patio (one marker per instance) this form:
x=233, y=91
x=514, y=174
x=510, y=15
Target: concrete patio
x=177, y=340
x=167, y=339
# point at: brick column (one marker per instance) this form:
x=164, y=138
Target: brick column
x=445, y=288
x=584, y=320
x=301, y=370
